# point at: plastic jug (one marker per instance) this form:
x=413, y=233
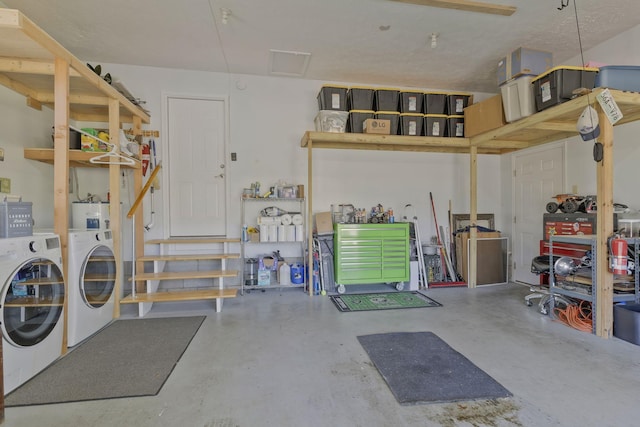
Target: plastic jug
x=285, y=274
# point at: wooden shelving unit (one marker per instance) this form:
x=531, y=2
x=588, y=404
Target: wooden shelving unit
x=35, y=65
x=77, y=158
x=552, y=124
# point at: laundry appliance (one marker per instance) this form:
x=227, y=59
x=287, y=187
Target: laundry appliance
x=92, y=277
x=33, y=293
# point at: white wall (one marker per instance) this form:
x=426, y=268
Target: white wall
x=21, y=126
x=580, y=168
x=268, y=117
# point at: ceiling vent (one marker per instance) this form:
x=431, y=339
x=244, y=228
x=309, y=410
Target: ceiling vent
x=287, y=63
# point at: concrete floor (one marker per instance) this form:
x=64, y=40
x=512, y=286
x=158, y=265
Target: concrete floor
x=286, y=359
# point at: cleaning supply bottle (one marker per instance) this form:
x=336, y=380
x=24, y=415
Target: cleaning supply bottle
x=285, y=274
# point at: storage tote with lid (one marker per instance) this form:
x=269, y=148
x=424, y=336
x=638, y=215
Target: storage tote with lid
x=411, y=124
x=435, y=103
x=393, y=117
x=435, y=124
x=558, y=84
x=332, y=97
x=457, y=102
x=357, y=118
x=360, y=98
x=411, y=101
x=386, y=99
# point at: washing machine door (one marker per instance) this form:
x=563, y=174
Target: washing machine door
x=32, y=302
x=98, y=276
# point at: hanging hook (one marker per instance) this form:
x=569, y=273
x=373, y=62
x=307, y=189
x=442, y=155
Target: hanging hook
x=563, y=4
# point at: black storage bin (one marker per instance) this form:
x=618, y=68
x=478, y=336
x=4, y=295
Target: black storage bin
x=360, y=98
x=557, y=85
x=455, y=126
x=393, y=117
x=74, y=139
x=357, y=118
x=332, y=98
x=412, y=124
x=457, y=102
x=411, y=102
x=435, y=124
x=387, y=99
x=435, y=103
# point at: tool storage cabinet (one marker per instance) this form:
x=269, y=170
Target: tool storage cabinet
x=371, y=253
x=564, y=287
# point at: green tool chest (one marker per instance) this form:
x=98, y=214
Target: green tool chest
x=371, y=253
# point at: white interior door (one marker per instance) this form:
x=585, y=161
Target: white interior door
x=538, y=176
x=196, y=148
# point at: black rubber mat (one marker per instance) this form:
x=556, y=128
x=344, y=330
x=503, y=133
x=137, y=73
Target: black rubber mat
x=419, y=367
x=128, y=358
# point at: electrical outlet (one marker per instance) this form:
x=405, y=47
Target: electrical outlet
x=5, y=185
x=234, y=157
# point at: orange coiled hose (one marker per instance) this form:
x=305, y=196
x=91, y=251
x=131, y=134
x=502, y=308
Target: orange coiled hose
x=577, y=316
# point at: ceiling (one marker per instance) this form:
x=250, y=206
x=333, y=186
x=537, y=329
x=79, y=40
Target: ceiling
x=377, y=42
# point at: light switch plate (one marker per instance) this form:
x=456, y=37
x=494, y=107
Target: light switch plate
x=1, y=154
x=5, y=185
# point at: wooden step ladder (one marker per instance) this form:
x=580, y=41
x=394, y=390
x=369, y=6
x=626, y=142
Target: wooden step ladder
x=168, y=249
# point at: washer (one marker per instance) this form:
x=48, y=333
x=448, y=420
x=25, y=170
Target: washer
x=92, y=278
x=32, y=305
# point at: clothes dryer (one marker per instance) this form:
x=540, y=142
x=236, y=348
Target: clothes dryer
x=33, y=293
x=92, y=277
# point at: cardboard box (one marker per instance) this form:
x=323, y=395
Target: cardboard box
x=484, y=116
x=324, y=223
x=490, y=263
x=254, y=237
x=379, y=126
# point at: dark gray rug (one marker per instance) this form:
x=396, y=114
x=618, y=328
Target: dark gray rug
x=132, y=357
x=419, y=367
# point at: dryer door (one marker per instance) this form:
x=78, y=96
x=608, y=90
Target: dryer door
x=32, y=302
x=98, y=277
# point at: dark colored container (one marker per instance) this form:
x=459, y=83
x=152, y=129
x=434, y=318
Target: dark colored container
x=357, y=118
x=457, y=102
x=386, y=100
x=435, y=103
x=435, y=124
x=332, y=98
x=412, y=124
x=360, y=98
x=411, y=102
x=455, y=126
x=621, y=77
x=393, y=117
x=74, y=139
x=557, y=85
x=626, y=322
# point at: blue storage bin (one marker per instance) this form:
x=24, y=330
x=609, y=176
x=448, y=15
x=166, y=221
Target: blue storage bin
x=621, y=77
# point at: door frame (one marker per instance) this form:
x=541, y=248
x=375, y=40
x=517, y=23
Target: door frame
x=538, y=149
x=165, y=153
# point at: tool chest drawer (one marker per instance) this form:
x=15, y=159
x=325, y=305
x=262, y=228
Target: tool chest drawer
x=371, y=253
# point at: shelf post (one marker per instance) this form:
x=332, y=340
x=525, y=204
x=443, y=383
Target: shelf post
x=604, y=281
x=473, y=217
x=61, y=175
x=114, y=206
x=309, y=218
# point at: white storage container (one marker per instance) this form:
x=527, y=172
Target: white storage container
x=518, y=98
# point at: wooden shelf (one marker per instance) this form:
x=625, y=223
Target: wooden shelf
x=77, y=158
x=27, y=55
x=549, y=125
x=363, y=141
x=554, y=123
x=43, y=281
x=34, y=302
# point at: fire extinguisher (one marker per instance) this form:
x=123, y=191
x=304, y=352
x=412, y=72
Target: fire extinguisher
x=146, y=156
x=618, y=247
